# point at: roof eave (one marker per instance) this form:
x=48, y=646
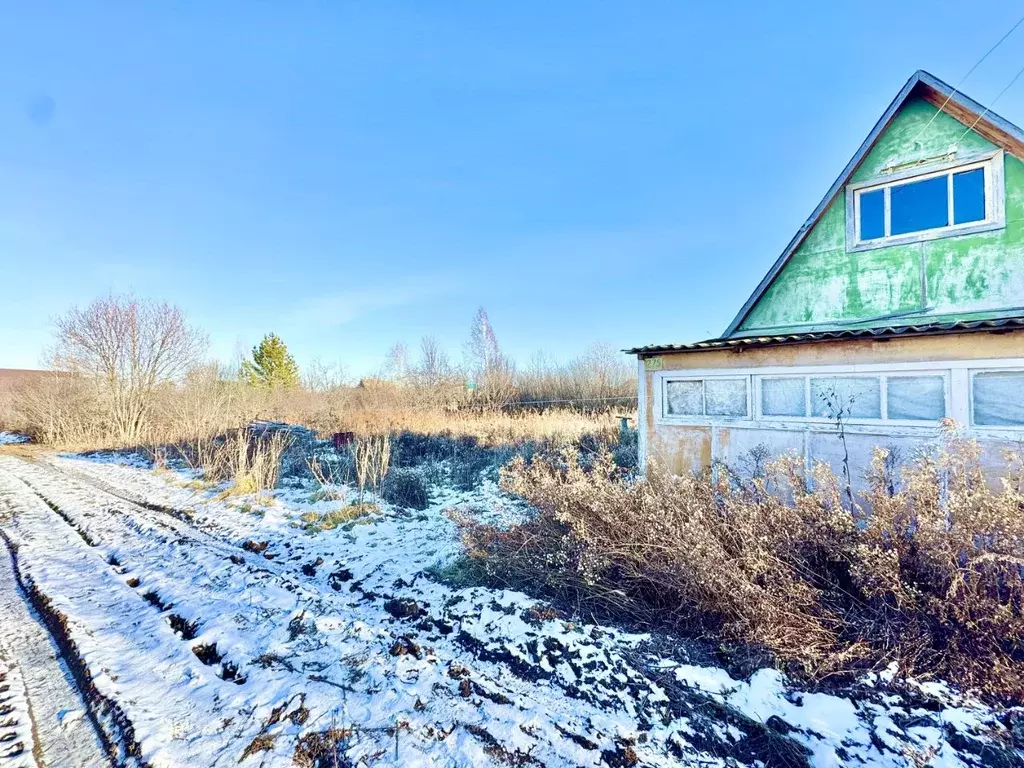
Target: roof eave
x=992, y=325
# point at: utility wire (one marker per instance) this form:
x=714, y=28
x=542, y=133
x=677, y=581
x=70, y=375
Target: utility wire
x=964, y=79
x=991, y=104
x=627, y=399
x=573, y=400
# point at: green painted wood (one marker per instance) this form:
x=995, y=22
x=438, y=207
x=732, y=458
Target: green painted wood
x=972, y=275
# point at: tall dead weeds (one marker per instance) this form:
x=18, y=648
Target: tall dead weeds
x=251, y=464
x=929, y=578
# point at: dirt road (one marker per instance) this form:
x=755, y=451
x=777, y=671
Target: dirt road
x=45, y=716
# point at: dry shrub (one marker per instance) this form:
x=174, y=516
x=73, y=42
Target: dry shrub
x=942, y=560
x=931, y=579
x=251, y=464
x=62, y=411
x=330, y=484
x=132, y=376
x=10, y=417
x=600, y=378
x=69, y=413
x=371, y=457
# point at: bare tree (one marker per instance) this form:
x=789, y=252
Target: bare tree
x=434, y=367
x=396, y=362
x=323, y=377
x=602, y=373
x=492, y=372
x=129, y=348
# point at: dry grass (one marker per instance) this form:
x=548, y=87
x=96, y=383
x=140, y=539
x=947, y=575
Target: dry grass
x=314, y=522
x=931, y=579
x=252, y=465
x=490, y=428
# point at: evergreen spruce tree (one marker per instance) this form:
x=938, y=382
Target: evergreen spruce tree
x=271, y=365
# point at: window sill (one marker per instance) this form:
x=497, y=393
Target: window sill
x=927, y=236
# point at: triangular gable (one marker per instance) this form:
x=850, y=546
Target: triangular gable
x=921, y=85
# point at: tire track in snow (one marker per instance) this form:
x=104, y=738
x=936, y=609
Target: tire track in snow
x=92, y=642
x=19, y=743
x=139, y=532
x=76, y=725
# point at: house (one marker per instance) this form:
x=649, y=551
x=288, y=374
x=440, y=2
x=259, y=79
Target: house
x=898, y=303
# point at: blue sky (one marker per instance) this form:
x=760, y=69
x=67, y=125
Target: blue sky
x=350, y=175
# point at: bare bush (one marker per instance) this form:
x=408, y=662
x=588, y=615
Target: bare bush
x=331, y=485
x=931, y=579
x=207, y=403
x=62, y=410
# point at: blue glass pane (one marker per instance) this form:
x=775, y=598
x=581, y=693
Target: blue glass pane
x=872, y=214
x=918, y=205
x=969, y=196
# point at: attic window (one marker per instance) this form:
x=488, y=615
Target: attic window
x=951, y=199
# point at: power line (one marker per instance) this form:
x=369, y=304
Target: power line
x=573, y=400
x=964, y=79
x=512, y=404
x=991, y=104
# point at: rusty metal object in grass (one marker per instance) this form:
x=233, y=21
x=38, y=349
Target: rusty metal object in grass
x=341, y=440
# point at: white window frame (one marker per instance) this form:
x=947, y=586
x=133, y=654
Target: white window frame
x=846, y=420
x=947, y=391
x=985, y=428
x=995, y=193
x=959, y=388
x=883, y=377
x=662, y=398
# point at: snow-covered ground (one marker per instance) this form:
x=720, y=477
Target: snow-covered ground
x=16, y=738
x=216, y=631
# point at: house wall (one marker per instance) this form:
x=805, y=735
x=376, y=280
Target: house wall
x=695, y=447
x=824, y=284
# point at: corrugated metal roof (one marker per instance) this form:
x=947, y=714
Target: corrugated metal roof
x=887, y=332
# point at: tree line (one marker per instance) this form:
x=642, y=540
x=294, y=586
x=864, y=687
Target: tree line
x=122, y=365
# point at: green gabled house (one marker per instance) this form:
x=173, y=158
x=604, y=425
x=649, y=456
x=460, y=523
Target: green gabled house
x=898, y=304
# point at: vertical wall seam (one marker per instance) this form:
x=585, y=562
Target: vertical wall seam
x=924, y=278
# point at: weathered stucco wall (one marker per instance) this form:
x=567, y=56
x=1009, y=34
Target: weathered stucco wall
x=681, y=449
x=822, y=283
